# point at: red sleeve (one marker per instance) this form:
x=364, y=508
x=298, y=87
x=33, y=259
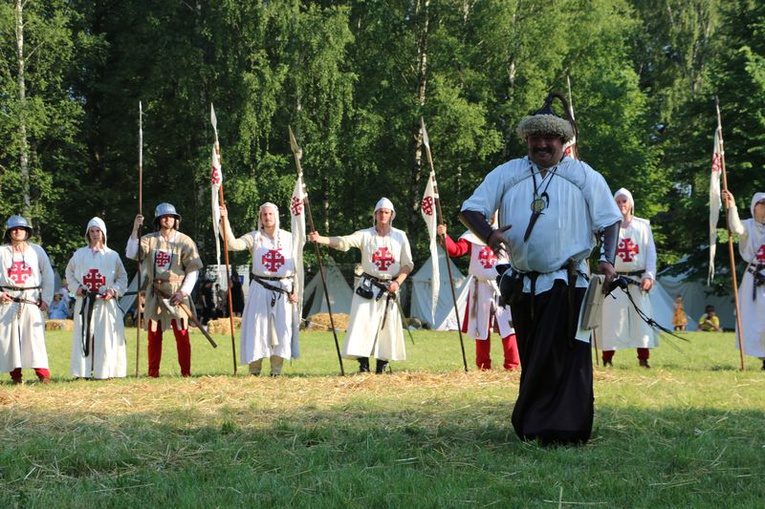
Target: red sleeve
x=456, y=249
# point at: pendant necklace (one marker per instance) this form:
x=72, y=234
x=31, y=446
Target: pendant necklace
x=540, y=201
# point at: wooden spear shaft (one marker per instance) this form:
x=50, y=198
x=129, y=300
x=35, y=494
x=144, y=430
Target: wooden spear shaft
x=739, y=330
x=140, y=212
x=426, y=143
x=297, y=152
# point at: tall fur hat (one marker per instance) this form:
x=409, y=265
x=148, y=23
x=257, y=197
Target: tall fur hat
x=546, y=123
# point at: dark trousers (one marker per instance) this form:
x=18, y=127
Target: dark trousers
x=555, y=398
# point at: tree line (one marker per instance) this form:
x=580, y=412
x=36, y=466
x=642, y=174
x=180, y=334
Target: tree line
x=353, y=79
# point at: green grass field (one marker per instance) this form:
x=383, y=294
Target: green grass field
x=690, y=432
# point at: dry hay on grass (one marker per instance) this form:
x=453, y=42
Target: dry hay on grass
x=223, y=325
x=320, y=321
x=58, y=325
x=210, y=397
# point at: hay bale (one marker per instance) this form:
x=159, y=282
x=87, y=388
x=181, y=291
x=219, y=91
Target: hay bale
x=59, y=324
x=223, y=325
x=320, y=321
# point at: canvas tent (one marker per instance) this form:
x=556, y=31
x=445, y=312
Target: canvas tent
x=422, y=283
x=696, y=295
x=340, y=293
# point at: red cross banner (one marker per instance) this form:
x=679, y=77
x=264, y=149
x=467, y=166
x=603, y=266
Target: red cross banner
x=297, y=226
x=429, y=214
x=216, y=180
x=715, y=201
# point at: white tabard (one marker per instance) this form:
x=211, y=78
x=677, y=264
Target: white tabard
x=98, y=271
x=29, y=276
x=270, y=320
x=484, y=293
x=752, y=300
x=381, y=257
x=622, y=326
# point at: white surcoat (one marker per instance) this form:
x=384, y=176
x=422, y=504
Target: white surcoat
x=98, y=271
x=27, y=276
x=375, y=327
x=622, y=326
x=270, y=322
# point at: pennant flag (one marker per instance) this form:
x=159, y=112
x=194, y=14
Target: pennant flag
x=297, y=226
x=216, y=181
x=570, y=149
x=428, y=210
x=715, y=201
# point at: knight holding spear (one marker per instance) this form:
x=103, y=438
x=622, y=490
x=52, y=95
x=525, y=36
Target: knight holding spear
x=172, y=263
x=751, y=246
x=269, y=327
x=375, y=327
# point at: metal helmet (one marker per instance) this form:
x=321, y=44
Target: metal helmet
x=166, y=209
x=16, y=222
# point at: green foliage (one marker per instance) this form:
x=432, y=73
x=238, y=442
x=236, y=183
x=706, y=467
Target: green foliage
x=352, y=79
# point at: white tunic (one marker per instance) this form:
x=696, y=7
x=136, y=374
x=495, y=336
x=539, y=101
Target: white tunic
x=622, y=326
x=270, y=320
x=752, y=249
x=382, y=257
x=98, y=271
x=483, y=293
x=579, y=203
x=22, y=324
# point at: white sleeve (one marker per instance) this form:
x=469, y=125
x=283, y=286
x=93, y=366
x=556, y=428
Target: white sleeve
x=131, y=249
x=189, y=281
x=734, y=222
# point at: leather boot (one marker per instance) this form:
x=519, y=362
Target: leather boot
x=380, y=367
x=363, y=364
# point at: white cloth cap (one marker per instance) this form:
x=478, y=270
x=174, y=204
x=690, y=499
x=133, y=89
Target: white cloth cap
x=385, y=203
x=98, y=223
x=756, y=198
x=628, y=195
x=268, y=204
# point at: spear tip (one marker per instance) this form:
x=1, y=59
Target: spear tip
x=425, y=139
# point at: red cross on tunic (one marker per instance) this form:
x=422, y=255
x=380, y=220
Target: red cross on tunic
x=296, y=206
x=94, y=280
x=427, y=205
x=19, y=272
x=487, y=258
x=760, y=256
x=272, y=260
x=163, y=259
x=383, y=258
x=626, y=250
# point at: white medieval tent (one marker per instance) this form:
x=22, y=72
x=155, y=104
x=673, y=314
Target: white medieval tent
x=422, y=282
x=340, y=293
x=696, y=296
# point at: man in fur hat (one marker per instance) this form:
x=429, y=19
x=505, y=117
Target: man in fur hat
x=270, y=321
x=171, y=262
x=375, y=327
x=636, y=262
x=26, y=286
x=551, y=208
x=98, y=279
